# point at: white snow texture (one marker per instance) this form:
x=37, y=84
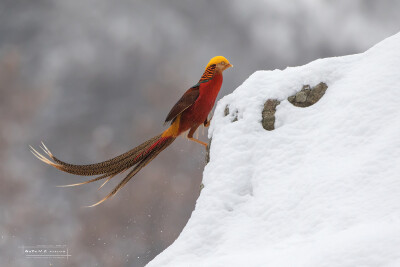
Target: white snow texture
x=322, y=189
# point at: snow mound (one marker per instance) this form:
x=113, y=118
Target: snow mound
x=322, y=189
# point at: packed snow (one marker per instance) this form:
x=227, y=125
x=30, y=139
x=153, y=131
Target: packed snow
x=322, y=189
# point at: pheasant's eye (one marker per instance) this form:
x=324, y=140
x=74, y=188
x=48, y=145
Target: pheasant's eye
x=223, y=62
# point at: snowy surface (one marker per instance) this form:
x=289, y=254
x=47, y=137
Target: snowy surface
x=322, y=189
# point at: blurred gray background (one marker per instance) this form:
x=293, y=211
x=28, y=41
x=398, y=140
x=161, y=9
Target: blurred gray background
x=94, y=78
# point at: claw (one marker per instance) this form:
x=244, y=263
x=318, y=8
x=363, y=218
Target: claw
x=207, y=122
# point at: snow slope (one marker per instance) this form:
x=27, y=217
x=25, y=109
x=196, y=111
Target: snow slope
x=322, y=189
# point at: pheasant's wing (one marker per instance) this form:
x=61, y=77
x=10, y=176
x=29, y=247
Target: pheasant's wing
x=188, y=99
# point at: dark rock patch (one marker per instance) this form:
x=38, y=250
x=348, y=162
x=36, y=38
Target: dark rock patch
x=227, y=111
x=268, y=114
x=208, y=151
x=308, y=96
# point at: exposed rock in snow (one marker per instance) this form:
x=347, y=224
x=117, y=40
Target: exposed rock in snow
x=268, y=114
x=322, y=189
x=308, y=96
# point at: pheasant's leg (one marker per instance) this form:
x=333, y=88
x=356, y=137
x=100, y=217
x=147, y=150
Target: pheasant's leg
x=190, y=136
x=198, y=141
x=207, y=122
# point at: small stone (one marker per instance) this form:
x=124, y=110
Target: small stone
x=236, y=117
x=226, y=111
x=301, y=97
x=268, y=114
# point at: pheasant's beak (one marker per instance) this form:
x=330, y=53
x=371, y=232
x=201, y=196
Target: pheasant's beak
x=230, y=65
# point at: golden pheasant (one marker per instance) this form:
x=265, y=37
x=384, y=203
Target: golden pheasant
x=187, y=114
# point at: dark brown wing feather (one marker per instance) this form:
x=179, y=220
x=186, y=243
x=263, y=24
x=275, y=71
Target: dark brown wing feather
x=186, y=101
x=191, y=95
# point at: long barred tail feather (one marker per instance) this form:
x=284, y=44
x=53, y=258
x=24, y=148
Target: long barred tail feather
x=97, y=168
x=137, y=157
x=109, y=175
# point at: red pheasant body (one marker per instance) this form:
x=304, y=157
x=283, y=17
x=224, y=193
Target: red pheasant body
x=197, y=113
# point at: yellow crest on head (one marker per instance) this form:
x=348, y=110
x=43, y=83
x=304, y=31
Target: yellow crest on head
x=216, y=60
